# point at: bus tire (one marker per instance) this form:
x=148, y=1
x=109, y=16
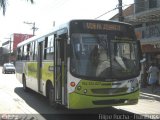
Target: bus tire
x=24, y=83
x=51, y=96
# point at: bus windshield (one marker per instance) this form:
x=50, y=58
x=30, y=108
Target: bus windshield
x=104, y=56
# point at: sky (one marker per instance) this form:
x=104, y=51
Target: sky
x=46, y=12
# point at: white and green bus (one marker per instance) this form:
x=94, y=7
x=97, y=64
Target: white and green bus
x=82, y=64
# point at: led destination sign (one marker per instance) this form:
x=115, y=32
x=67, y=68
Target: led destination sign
x=102, y=26
x=99, y=27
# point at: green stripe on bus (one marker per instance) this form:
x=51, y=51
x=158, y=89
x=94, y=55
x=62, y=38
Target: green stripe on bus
x=46, y=73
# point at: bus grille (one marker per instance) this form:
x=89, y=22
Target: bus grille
x=108, y=102
x=110, y=91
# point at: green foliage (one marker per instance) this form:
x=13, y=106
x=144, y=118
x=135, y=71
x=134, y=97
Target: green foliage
x=3, y=5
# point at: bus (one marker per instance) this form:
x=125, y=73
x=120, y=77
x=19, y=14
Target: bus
x=82, y=64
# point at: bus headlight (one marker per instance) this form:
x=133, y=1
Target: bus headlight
x=85, y=91
x=132, y=89
x=126, y=101
x=79, y=88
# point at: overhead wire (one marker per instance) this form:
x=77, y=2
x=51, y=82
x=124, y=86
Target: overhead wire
x=111, y=11
x=105, y=13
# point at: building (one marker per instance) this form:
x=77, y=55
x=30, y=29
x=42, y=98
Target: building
x=145, y=16
x=9, y=46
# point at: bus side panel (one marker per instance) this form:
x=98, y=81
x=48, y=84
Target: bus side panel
x=30, y=71
x=19, y=70
x=31, y=75
x=47, y=74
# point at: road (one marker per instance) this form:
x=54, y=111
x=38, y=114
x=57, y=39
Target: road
x=15, y=103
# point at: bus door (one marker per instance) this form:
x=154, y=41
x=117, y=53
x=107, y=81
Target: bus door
x=60, y=70
x=39, y=66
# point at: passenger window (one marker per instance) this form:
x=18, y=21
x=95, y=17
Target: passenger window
x=49, y=48
x=35, y=50
x=45, y=48
x=19, y=53
x=28, y=52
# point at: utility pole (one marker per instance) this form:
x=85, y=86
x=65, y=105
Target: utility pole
x=121, y=18
x=34, y=26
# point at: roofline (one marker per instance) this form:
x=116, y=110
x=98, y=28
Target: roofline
x=113, y=21
x=63, y=26
x=43, y=34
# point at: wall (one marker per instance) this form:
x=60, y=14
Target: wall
x=143, y=5
x=17, y=38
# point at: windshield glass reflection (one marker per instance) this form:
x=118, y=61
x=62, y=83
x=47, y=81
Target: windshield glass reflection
x=103, y=57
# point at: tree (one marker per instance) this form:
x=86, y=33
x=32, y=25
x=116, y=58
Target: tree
x=3, y=4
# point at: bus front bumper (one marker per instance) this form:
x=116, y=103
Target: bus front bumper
x=78, y=101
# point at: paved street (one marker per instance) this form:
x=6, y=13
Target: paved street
x=10, y=102
x=149, y=102
x=33, y=105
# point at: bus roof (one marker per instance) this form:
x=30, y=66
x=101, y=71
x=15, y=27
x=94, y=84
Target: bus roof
x=63, y=26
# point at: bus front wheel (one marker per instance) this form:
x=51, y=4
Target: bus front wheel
x=51, y=97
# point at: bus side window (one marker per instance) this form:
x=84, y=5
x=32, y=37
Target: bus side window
x=45, y=48
x=25, y=52
x=50, y=48
x=28, y=52
x=35, y=51
x=19, y=54
x=32, y=51
x=23, y=55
